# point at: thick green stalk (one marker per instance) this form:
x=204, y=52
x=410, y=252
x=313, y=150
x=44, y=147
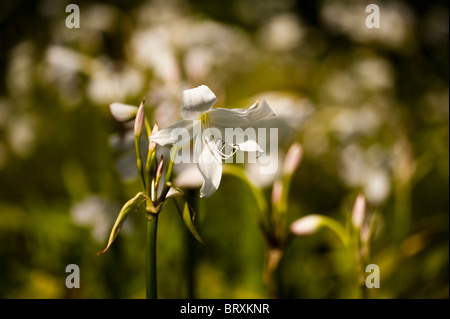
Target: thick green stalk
x=139, y=161
x=150, y=257
x=190, y=248
x=273, y=257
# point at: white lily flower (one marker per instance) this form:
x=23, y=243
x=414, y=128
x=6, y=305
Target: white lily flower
x=208, y=148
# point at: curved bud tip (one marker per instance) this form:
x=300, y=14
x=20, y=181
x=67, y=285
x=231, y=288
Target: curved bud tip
x=152, y=145
x=359, y=210
x=155, y=128
x=293, y=158
x=140, y=119
x=306, y=225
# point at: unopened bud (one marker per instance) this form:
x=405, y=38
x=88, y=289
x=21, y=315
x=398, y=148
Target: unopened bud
x=306, y=225
x=359, y=210
x=123, y=112
x=151, y=144
x=159, y=170
x=140, y=120
x=277, y=191
x=293, y=158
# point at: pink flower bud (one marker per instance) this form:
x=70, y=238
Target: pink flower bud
x=140, y=120
x=293, y=158
x=277, y=191
x=359, y=210
x=160, y=168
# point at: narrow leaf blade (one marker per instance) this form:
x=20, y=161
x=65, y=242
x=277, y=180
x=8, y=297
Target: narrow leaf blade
x=129, y=207
x=186, y=213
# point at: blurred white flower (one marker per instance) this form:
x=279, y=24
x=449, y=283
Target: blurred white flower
x=366, y=169
x=396, y=22
x=19, y=73
x=122, y=142
x=377, y=185
x=292, y=114
x=264, y=174
x=166, y=100
x=123, y=112
x=306, y=225
x=282, y=32
x=108, y=13
x=170, y=39
x=347, y=122
x=94, y=212
x=341, y=87
x=209, y=46
x=198, y=62
x=151, y=48
x=373, y=73
x=106, y=86
x=21, y=134
x=62, y=68
x=107, y=82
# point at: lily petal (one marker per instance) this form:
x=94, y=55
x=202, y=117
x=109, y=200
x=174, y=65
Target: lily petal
x=240, y=117
x=196, y=101
x=179, y=133
x=123, y=112
x=209, y=165
x=250, y=146
x=242, y=140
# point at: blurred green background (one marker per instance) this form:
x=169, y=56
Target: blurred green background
x=369, y=106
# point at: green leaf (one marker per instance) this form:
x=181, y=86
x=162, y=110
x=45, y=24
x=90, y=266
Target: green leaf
x=185, y=210
x=131, y=206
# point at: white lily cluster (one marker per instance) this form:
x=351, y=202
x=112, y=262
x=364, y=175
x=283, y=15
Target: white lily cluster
x=209, y=148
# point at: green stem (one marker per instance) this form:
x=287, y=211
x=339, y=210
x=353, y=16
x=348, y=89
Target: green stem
x=273, y=256
x=337, y=229
x=402, y=213
x=190, y=248
x=173, y=154
x=148, y=127
x=139, y=161
x=359, y=264
x=363, y=290
x=150, y=257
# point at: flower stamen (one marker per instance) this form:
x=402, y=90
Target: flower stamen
x=224, y=155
